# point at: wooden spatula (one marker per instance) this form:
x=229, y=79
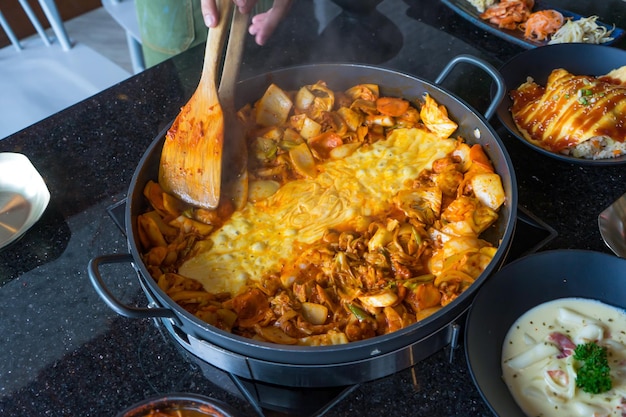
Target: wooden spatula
x=191, y=160
x=235, y=158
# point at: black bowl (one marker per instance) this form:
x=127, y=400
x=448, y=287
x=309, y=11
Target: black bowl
x=538, y=63
x=520, y=286
x=186, y=403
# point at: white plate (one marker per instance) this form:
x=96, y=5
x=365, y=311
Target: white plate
x=23, y=196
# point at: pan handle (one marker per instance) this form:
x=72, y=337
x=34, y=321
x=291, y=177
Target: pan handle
x=115, y=304
x=488, y=68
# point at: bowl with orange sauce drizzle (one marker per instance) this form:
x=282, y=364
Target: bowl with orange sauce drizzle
x=180, y=405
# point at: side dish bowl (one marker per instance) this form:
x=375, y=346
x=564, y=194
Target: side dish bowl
x=520, y=286
x=24, y=196
x=180, y=405
x=468, y=12
x=538, y=63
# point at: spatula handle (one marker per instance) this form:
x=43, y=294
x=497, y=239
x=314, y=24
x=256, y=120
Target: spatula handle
x=215, y=42
x=232, y=62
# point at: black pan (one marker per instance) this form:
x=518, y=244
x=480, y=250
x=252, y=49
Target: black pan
x=323, y=365
x=520, y=286
x=538, y=63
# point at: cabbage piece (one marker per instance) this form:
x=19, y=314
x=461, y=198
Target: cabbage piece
x=344, y=150
x=435, y=118
x=381, y=238
x=368, y=92
x=423, y=204
x=488, y=189
x=290, y=139
x=274, y=335
x=304, y=98
x=189, y=225
x=306, y=126
x=149, y=233
x=384, y=298
x=351, y=118
x=264, y=149
x=467, y=216
x=314, y=313
x=330, y=338
x=323, y=102
x=462, y=151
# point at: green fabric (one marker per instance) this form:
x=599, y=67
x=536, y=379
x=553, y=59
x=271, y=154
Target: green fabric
x=169, y=27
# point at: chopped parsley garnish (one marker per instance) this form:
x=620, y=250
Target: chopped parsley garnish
x=593, y=376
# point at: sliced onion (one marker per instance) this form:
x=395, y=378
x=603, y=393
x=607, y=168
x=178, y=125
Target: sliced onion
x=261, y=189
x=302, y=160
x=273, y=108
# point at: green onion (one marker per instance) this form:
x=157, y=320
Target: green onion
x=188, y=213
x=358, y=312
x=416, y=236
x=414, y=282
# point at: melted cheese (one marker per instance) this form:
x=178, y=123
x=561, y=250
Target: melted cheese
x=571, y=109
x=260, y=238
x=542, y=383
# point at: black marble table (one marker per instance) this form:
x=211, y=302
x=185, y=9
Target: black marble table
x=65, y=353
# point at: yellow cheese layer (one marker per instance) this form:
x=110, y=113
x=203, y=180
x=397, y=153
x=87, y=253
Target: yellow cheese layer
x=259, y=239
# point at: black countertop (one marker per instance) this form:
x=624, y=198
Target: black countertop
x=65, y=353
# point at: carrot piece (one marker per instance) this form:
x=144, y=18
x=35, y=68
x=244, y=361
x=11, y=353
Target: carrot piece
x=391, y=106
x=324, y=143
x=509, y=13
x=478, y=156
x=542, y=24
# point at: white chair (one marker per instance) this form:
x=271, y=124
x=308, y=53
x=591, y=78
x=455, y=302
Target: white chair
x=52, y=14
x=125, y=14
x=42, y=75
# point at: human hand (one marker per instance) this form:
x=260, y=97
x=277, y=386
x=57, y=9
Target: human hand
x=262, y=25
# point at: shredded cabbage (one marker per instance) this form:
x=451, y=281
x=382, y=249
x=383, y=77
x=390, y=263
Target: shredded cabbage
x=482, y=5
x=583, y=30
